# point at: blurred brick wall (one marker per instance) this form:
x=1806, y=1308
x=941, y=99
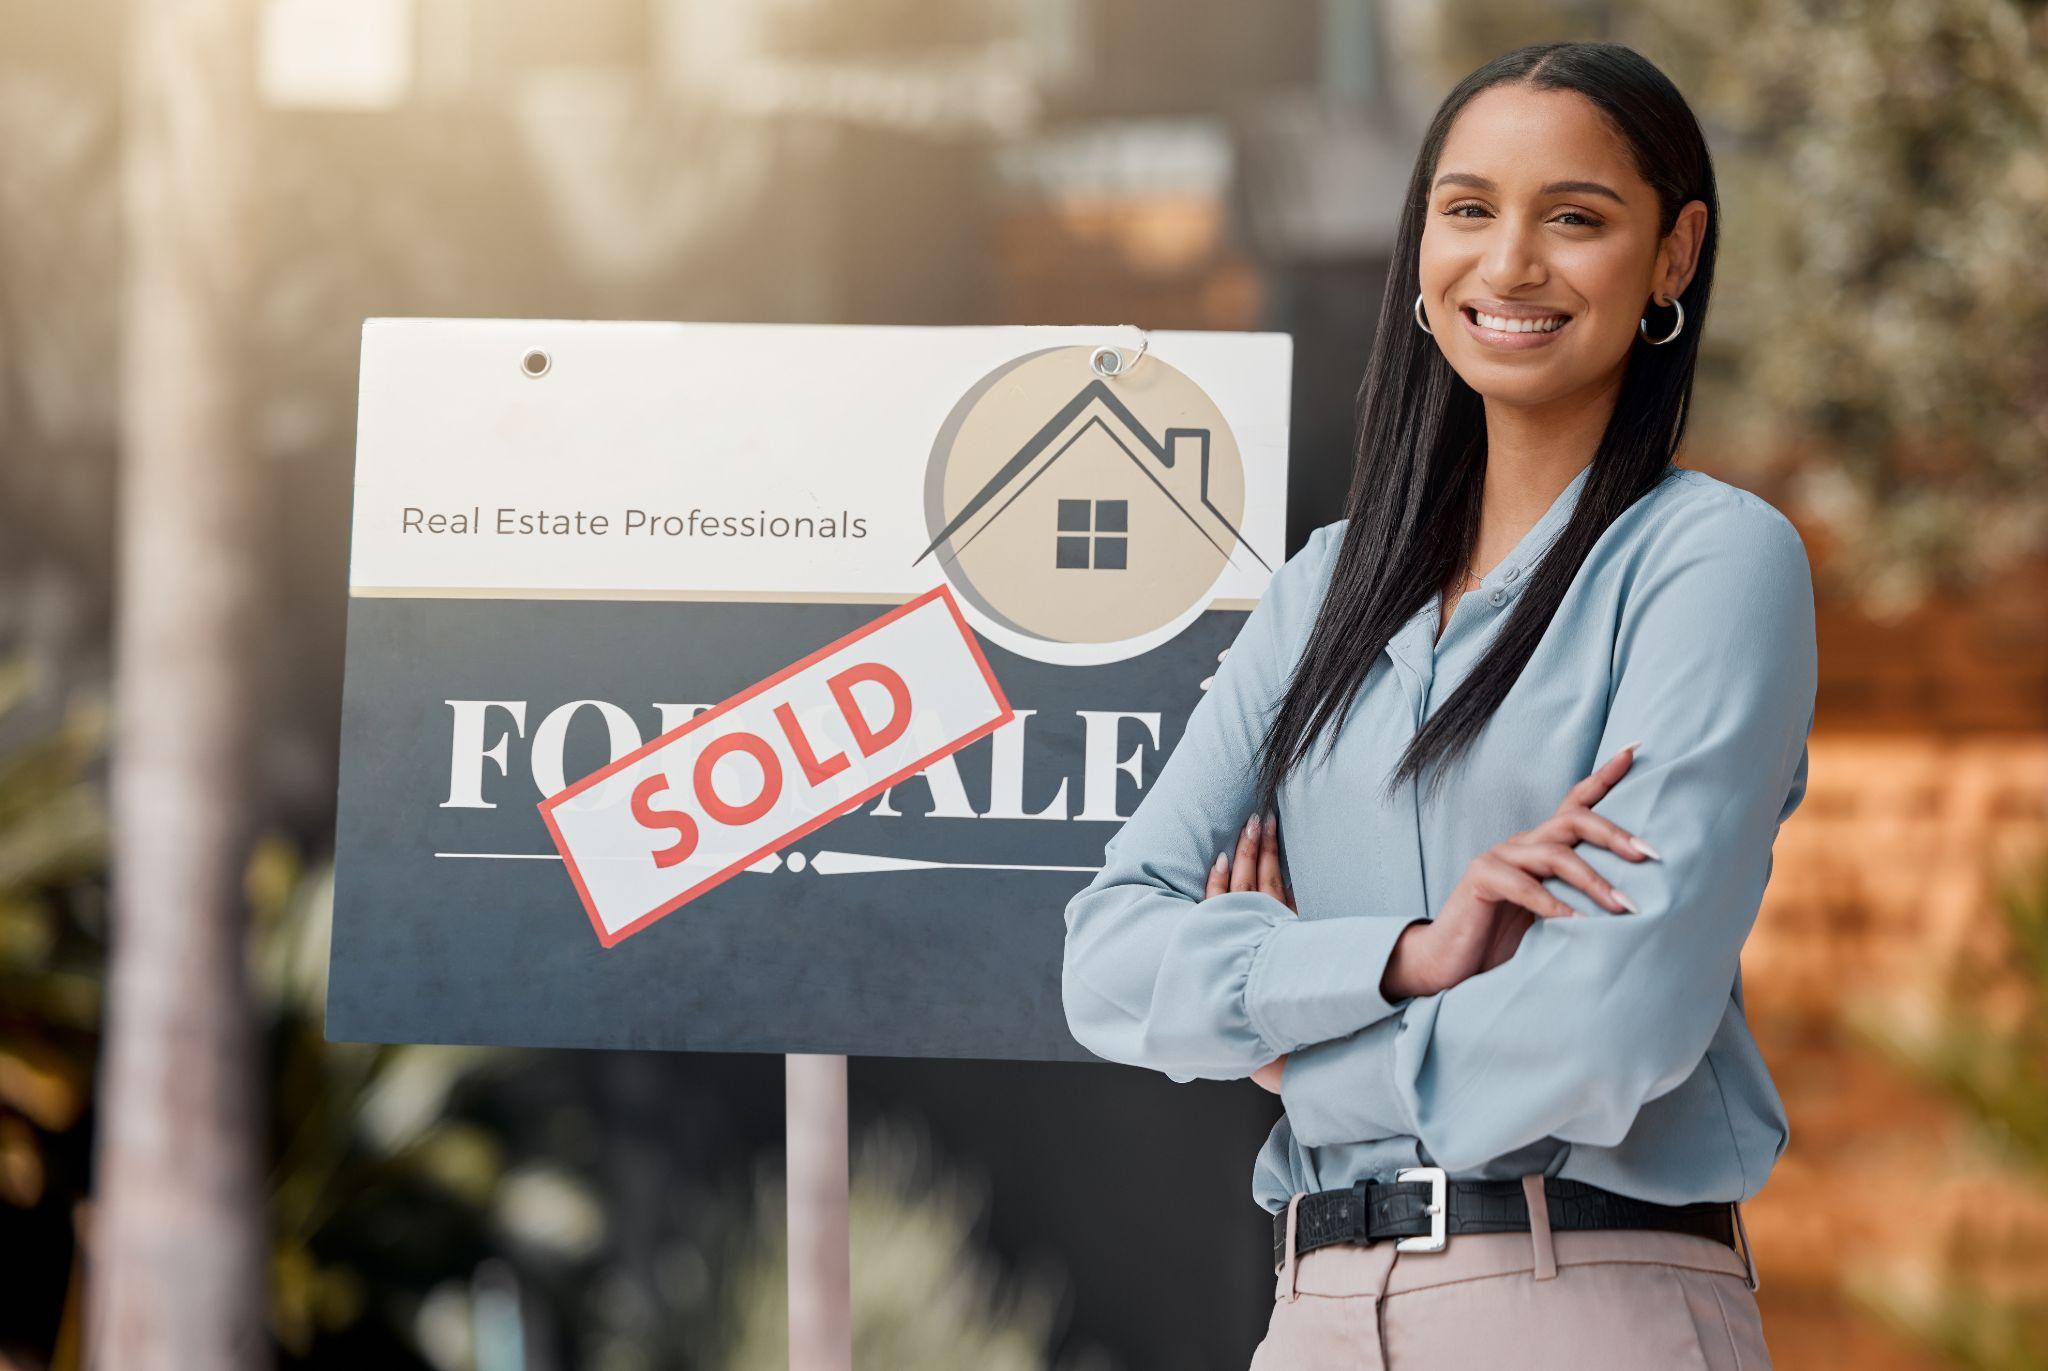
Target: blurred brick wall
x=1884, y=893
x=1958, y=665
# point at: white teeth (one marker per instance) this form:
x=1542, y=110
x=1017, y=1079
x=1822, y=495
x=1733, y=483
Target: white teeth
x=1505, y=325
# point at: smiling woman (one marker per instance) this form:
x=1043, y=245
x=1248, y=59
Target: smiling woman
x=1496, y=855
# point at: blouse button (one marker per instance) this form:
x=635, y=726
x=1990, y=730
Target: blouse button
x=1511, y=573
x=1498, y=596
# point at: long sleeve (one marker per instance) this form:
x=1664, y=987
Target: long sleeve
x=1715, y=669
x=1155, y=975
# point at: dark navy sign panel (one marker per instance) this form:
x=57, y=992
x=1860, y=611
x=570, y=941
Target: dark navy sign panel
x=456, y=923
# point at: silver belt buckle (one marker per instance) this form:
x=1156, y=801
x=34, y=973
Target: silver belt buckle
x=1437, y=1210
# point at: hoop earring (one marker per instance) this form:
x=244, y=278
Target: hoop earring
x=1418, y=316
x=1643, y=325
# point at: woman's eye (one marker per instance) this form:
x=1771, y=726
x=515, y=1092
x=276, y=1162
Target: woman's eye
x=1453, y=210
x=1585, y=220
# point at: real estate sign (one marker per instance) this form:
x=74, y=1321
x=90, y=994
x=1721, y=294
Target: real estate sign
x=771, y=688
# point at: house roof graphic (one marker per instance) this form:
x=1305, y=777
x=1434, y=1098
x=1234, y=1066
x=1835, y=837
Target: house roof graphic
x=1160, y=450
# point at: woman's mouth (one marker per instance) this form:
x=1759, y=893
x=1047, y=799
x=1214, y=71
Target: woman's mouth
x=1512, y=335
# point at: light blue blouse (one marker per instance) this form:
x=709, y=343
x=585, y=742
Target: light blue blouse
x=1610, y=1048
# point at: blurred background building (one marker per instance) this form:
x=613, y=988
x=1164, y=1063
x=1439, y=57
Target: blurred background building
x=1877, y=367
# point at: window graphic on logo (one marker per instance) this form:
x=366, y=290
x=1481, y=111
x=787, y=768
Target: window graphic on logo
x=1100, y=517
x=1043, y=447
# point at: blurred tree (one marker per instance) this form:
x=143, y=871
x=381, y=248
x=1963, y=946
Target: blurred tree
x=1879, y=332
x=175, y=1259
x=1984, y=1047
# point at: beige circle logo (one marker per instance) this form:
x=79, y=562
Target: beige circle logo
x=1074, y=508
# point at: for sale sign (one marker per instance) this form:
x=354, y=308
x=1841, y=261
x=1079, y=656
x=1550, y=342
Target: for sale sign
x=772, y=688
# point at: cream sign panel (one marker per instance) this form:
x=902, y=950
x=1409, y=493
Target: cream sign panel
x=764, y=460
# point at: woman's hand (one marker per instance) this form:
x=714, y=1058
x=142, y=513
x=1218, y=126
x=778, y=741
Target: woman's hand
x=1255, y=865
x=1501, y=894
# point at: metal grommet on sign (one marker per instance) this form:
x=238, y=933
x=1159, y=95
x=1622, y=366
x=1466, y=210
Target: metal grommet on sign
x=535, y=364
x=1108, y=361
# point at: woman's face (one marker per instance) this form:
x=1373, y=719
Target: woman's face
x=1535, y=214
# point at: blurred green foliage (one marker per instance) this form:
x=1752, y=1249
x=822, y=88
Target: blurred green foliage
x=52, y=836
x=925, y=1297
x=375, y=1190
x=1984, y=1049
x=52, y=843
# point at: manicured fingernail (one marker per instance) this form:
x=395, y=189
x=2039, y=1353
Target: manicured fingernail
x=1217, y=865
x=1251, y=825
x=1630, y=747
x=1626, y=902
x=1645, y=848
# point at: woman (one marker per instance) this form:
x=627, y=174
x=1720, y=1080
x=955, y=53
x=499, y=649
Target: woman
x=1527, y=719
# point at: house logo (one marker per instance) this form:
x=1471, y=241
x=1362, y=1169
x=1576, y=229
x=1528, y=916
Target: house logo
x=1074, y=509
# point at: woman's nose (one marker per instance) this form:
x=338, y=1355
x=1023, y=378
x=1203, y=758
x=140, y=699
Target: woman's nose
x=1513, y=258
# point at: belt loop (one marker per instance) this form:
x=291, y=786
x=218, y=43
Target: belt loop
x=1748, y=1253
x=1284, y=1288
x=1539, y=1225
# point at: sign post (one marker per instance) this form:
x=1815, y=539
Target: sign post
x=817, y=1183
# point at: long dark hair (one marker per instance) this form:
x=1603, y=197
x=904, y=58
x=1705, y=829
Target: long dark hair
x=1417, y=480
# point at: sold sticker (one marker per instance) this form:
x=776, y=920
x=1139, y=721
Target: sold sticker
x=668, y=821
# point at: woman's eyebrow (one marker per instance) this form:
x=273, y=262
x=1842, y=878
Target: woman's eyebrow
x=1477, y=182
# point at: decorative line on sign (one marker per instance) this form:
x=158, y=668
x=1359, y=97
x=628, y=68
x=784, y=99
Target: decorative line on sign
x=830, y=862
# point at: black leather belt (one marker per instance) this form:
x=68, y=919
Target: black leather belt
x=1372, y=1210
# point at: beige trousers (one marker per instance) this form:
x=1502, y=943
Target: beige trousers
x=1577, y=1300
